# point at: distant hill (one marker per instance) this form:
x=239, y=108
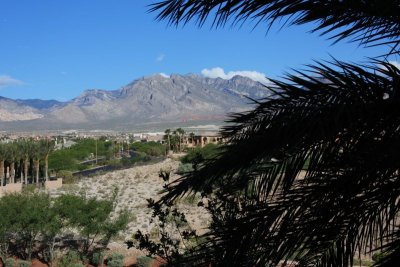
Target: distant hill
x=150, y=100
x=39, y=103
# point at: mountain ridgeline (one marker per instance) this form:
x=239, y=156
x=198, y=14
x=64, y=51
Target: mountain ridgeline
x=153, y=100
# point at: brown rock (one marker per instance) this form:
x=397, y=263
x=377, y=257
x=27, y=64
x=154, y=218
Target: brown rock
x=130, y=261
x=38, y=263
x=158, y=262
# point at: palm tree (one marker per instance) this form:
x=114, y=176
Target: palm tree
x=312, y=173
x=12, y=157
x=180, y=133
x=47, y=146
x=25, y=147
x=36, y=154
x=168, y=136
x=3, y=156
x=191, y=136
x=19, y=162
x=175, y=141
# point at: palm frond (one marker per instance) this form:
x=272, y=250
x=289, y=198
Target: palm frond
x=373, y=22
x=283, y=132
x=391, y=251
x=312, y=174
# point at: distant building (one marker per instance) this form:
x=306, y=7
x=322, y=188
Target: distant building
x=202, y=140
x=148, y=137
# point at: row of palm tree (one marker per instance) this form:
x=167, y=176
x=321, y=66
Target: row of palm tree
x=21, y=158
x=175, y=139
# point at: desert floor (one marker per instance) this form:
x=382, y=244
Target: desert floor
x=135, y=185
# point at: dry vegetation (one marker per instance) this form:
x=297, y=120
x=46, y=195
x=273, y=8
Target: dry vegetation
x=135, y=185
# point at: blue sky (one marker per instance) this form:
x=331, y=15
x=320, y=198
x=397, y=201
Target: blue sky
x=56, y=49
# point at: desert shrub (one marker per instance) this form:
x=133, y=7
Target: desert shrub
x=146, y=158
x=91, y=216
x=184, y=168
x=117, y=260
x=9, y=262
x=29, y=189
x=22, y=263
x=144, y=261
x=36, y=216
x=98, y=258
x=71, y=259
x=154, y=232
x=27, y=217
x=67, y=176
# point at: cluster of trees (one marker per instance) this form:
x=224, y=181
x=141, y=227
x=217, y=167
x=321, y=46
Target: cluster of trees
x=69, y=158
x=201, y=154
x=151, y=148
x=112, y=153
x=22, y=159
x=175, y=139
x=197, y=156
x=33, y=225
x=341, y=119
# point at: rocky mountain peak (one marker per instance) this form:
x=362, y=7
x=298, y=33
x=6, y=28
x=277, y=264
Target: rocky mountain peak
x=152, y=99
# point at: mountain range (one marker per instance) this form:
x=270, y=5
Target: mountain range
x=154, y=100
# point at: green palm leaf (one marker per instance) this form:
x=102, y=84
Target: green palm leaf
x=372, y=22
x=343, y=121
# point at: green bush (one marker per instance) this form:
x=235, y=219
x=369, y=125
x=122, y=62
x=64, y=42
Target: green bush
x=27, y=217
x=29, y=188
x=22, y=263
x=144, y=261
x=199, y=155
x=36, y=216
x=184, y=168
x=117, y=260
x=146, y=158
x=67, y=176
x=71, y=259
x=91, y=216
x=154, y=233
x=150, y=148
x=98, y=258
x=9, y=262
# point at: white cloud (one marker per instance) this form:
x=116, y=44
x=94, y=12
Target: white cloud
x=395, y=63
x=164, y=75
x=160, y=58
x=6, y=80
x=220, y=73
